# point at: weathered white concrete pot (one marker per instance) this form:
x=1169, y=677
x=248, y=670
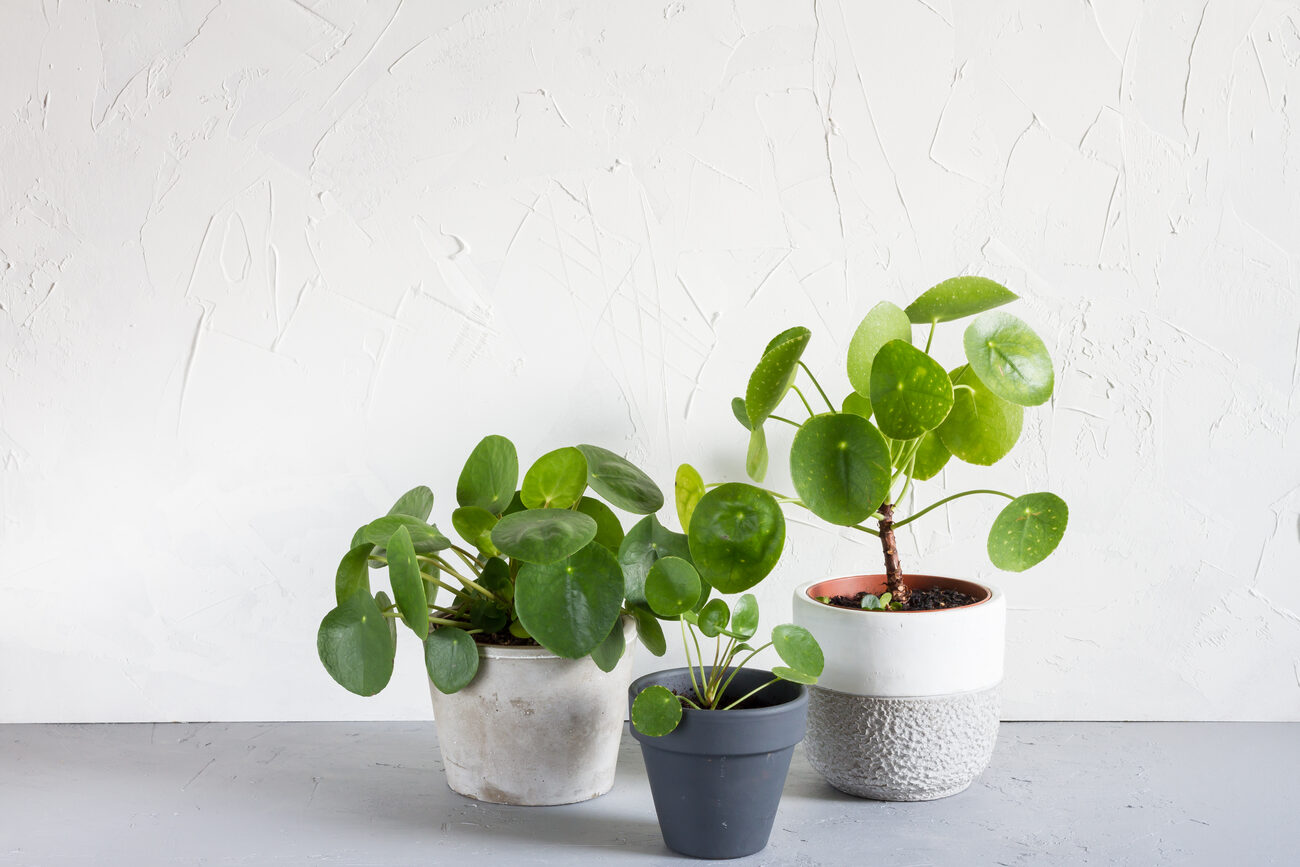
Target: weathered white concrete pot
x=907, y=707
x=534, y=728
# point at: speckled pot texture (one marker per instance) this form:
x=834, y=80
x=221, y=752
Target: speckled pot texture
x=907, y=708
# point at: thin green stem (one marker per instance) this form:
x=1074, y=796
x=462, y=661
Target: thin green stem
x=864, y=529
x=784, y=419
x=688, y=701
x=454, y=591
x=910, y=518
x=930, y=339
x=474, y=563
x=818, y=385
x=735, y=671
x=690, y=666
x=468, y=582
x=751, y=692
x=806, y=405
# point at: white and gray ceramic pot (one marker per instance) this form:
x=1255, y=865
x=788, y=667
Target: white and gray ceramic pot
x=534, y=728
x=907, y=707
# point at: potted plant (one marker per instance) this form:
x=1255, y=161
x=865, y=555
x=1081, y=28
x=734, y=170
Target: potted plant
x=524, y=628
x=907, y=708
x=717, y=737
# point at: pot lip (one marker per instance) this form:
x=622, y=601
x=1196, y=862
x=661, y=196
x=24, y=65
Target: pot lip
x=803, y=593
x=749, y=714
x=528, y=651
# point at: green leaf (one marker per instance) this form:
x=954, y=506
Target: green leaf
x=872, y=602
x=756, y=457
x=451, y=658
x=738, y=410
x=1027, y=531
x=774, y=375
x=736, y=536
x=486, y=615
x=883, y=323
x=383, y=603
x=496, y=578
x=1009, y=358
x=649, y=632
x=517, y=630
x=958, y=298
x=744, y=617
x=790, y=674
x=932, y=455
x=982, y=427
x=609, y=531
x=355, y=646
x=426, y=538
x=798, y=649
x=543, y=535
x=624, y=485
x=556, y=480
x=713, y=618
x=646, y=542
x=353, y=575
x=857, y=404
x=490, y=474
x=687, y=490
x=570, y=606
x=516, y=505
x=656, y=711
x=910, y=391
x=474, y=525
x=839, y=464
x=417, y=503
x=672, y=586
x=408, y=583
x=610, y=651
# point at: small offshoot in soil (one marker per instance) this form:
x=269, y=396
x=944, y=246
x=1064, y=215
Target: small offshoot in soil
x=919, y=600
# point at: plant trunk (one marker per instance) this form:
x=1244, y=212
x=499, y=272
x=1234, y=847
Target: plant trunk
x=893, y=569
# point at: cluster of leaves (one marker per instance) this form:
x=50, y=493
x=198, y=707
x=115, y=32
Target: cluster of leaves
x=545, y=561
x=735, y=534
x=907, y=415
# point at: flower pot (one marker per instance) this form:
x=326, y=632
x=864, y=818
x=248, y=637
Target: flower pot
x=534, y=728
x=717, y=778
x=907, y=707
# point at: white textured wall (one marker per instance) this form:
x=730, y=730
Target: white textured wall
x=264, y=264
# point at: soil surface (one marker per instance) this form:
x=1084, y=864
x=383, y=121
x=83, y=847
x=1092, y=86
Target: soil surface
x=752, y=703
x=504, y=639
x=920, y=600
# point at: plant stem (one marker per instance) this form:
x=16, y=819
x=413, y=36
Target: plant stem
x=446, y=567
x=830, y=405
x=806, y=405
x=689, y=665
x=893, y=569
x=735, y=671
x=864, y=529
x=930, y=339
x=776, y=417
x=454, y=591
x=474, y=563
x=910, y=518
x=751, y=692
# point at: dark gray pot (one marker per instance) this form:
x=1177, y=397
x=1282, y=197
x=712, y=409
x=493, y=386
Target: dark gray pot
x=717, y=779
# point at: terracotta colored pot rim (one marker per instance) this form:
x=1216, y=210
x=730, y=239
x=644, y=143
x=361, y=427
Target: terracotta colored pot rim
x=851, y=584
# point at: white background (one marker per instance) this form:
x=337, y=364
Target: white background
x=265, y=265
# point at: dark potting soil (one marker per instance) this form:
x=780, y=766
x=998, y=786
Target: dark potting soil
x=504, y=639
x=752, y=703
x=919, y=600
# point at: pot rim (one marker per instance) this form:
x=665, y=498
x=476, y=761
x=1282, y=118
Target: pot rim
x=988, y=592
x=528, y=651
x=746, y=713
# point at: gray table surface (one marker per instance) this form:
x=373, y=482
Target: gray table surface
x=373, y=793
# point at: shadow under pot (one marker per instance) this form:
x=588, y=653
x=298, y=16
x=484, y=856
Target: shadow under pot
x=717, y=778
x=534, y=728
x=907, y=708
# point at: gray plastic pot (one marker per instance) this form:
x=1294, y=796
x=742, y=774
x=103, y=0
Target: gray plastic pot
x=717, y=778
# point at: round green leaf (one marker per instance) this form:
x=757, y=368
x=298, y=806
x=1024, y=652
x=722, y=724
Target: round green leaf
x=738, y=410
x=687, y=490
x=713, y=618
x=426, y=538
x=451, y=658
x=744, y=617
x=408, y=583
x=609, y=531
x=1027, y=530
x=490, y=474
x=958, y=298
x=982, y=427
x=798, y=649
x=495, y=577
x=543, y=535
x=555, y=481
x=910, y=391
x=856, y=404
x=352, y=575
x=417, y=503
x=883, y=323
x=645, y=543
x=624, y=485
x=607, y=654
x=383, y=603
x=774, y=374
x=932, y=455
x=656, y=711
x=649, y=632
x=756, y=457
x=790, y=674
x=355, y=646
x=673, y=586
x=570, y=606
x=1009, y=358
x=736, y=536
x=840, y=467
x=474, y=525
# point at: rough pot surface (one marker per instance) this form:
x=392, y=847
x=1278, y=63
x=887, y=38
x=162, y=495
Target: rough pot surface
x=717, y=779
x=907, y=708
x=534, y=728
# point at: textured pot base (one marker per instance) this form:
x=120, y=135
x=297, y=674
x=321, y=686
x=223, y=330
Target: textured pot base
x=901, y=749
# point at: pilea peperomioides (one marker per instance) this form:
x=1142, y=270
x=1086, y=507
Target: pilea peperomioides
x=906, y=417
